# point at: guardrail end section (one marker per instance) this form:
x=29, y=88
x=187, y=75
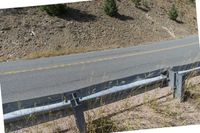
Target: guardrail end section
x=78, y=112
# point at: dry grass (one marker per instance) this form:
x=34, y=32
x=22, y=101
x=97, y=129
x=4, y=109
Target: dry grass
x=60, y=51
x=151, y=110
x=4, y=58
x=193, y=91
x=49, y=53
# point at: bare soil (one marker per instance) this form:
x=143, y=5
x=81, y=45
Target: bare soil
x=32, y=33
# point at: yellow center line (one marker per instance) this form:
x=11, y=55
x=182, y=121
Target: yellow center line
x=94, y=61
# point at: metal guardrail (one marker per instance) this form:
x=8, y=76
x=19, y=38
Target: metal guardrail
x=76, y=101
x=83, y=92
x=177, y=81
x=121, y=88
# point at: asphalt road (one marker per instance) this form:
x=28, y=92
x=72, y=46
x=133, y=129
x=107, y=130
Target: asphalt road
x=27, y=79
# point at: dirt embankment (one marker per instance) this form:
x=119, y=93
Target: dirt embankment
x=30, y=32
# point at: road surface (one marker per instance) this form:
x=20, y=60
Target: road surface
x=27, y=79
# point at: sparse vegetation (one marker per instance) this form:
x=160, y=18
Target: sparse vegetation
x=55, y=52
x=193, y=1
x=101, y=125
x=2, y=59
x=54, y=9
x=140, y=114
x=110, y=8
x=86, y=26
x=137, y=2
x=173, y=13
x=145, y=3
x=192, y=93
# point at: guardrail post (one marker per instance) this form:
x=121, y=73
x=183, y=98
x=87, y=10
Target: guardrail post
x=180, y=87
x=78, y=113
x=172, y=81
x=177, y=82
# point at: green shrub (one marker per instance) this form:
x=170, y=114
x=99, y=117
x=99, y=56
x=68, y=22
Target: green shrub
x=137, y=2
x=110, y=8
x=192, y=1
x=145, y=3
x=173, y=13
x=54, y=9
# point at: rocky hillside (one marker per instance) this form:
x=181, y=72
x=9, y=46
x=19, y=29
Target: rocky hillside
x=31, y=32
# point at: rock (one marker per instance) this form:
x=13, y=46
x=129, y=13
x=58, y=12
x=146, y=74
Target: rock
x=6, y=28
x=32, y=33
x=61, y=26
x=27, y=39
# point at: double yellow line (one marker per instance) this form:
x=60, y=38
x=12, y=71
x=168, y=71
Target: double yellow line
x=12, y=72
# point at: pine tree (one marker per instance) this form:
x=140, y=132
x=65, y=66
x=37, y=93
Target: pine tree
x=110, y=8
x=173, y=13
